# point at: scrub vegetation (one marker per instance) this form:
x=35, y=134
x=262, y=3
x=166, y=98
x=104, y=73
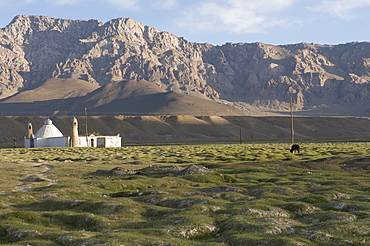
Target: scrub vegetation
x=237, y=194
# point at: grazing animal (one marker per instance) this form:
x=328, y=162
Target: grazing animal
x=295, y=148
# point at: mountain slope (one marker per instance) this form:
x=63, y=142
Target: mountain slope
x=48, y=98
x=145, y=98
x=257, y=77
x=71, y=96
x=53, y=89
x=190, y=129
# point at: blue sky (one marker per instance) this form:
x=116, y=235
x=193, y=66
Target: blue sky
x=219, y=21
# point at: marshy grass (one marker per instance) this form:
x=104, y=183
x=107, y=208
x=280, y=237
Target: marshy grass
x=255, y=194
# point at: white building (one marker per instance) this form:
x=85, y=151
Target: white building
x=50, y=136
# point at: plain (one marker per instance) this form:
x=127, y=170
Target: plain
x=236, y=194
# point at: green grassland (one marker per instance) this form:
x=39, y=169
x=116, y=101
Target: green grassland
x=235, y=194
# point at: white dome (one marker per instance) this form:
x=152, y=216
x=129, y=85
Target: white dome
x=48, y=122
x=48, y=130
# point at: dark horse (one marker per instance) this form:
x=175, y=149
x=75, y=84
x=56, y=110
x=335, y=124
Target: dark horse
x=295, y=148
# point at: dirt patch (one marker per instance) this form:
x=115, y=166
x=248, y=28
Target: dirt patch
x=158, y=170
x=161, y=170
x=348, y=164
x=36, y=179
x=115, y=171
x=193, y=169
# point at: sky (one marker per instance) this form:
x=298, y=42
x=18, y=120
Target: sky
x=218, y=22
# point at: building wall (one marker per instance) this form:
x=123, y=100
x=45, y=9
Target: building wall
x=112, y=142
x=93, y=141
x=100, y=141
x=47, y=142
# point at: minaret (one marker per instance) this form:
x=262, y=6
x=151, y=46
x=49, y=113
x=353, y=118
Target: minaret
x=74, y=133
x=29, y=130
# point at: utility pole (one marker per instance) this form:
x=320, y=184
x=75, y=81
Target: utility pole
x=86, y=130
x=240, y=135
x=291, y=120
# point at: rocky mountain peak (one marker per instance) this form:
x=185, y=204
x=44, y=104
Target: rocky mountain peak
x=34, y=49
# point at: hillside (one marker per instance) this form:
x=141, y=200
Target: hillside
x=193, y=129
x=256, y=78
x=47, y=98
x=53, y=89
x=71, y=96
x=145, y=98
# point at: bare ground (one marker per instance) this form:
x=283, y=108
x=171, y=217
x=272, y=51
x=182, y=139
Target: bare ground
x=36, y=179
x=194, y=128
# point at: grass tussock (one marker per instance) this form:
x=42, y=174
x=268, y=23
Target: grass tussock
x=255, y=194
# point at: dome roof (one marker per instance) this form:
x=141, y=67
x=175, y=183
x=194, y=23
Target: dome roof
x=48, y=122
x=48, y=130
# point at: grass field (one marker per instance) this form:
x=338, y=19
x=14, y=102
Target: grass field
x=236, y=194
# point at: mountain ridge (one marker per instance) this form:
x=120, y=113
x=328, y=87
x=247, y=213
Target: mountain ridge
x=256, y=78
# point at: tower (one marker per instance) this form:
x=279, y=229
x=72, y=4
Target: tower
x=74, y=133
x=29, y=130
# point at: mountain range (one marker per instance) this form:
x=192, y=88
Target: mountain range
x=59, y=67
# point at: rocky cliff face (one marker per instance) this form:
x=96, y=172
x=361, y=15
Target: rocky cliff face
x=36, y=48
x=314, y=75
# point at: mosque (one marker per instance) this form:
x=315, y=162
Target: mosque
x=50, y=136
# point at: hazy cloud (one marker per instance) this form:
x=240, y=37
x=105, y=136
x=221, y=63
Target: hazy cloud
x=340, y=8
x=164, y=4
x=237, y=16
x=126, y=4
x=15, y=2
x=65, y=2
x=122, y=4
